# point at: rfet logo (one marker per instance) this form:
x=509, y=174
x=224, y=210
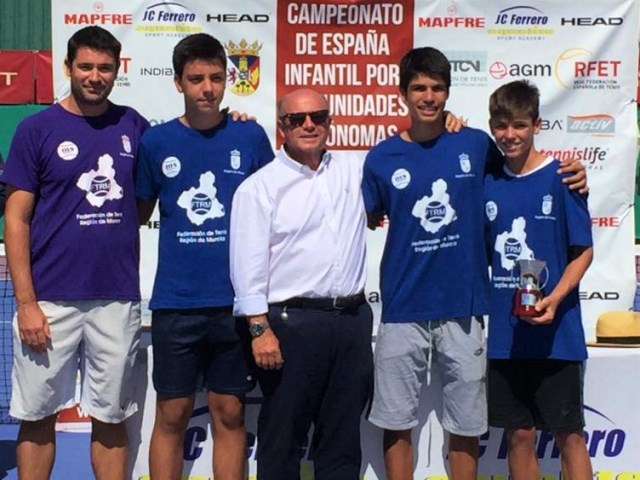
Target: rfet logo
x=578, y=69
x=451, y=20
x=98, y=17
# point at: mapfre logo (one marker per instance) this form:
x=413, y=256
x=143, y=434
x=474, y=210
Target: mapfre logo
x=521, y=22
x=578, y=69
x=98, y=17
x=451, y=20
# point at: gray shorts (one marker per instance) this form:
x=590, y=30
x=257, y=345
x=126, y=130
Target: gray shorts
x=405, y=353
x=99, y=337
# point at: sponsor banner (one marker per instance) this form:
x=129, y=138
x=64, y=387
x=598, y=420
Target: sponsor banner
x=17, y=68
x=612, y=433
x=350, y=52
x=44, y=79
x=577, y=52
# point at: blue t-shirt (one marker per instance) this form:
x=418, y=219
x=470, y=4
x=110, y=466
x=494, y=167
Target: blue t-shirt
x=533, y=216
x=194, y=174
x=434, y=264
x=84, y=229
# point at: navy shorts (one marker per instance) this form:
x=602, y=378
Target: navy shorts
x=541, y=393
x=192, y=347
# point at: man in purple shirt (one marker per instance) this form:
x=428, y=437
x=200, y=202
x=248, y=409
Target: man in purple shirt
x=72, y=248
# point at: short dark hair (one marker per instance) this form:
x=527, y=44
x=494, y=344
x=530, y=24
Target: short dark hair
x=199, y=46
x=96, y=38
x=427, y=61
x=515, y=99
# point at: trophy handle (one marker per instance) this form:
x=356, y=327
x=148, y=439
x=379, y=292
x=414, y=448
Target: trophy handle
x=546, y=279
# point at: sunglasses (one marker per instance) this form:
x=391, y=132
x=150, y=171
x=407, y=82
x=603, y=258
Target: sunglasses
x=295, y=120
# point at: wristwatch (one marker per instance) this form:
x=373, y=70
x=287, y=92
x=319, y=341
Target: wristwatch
x=257, y=329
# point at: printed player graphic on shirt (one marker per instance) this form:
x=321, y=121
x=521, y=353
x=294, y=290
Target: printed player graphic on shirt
x=435, y=211
x=101, y=184
x=201, y=203
x=512, y=245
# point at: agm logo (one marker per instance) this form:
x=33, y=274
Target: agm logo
x=499, y=70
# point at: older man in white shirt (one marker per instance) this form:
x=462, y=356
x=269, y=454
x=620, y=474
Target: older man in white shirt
x=298, y=269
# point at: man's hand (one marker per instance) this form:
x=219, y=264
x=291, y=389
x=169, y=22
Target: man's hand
x=240, y=116
x=33, y=326
x=453, y=124
x=577, y=181
x=266, y=351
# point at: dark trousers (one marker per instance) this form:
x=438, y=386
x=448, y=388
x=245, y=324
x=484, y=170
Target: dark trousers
x=326, y=380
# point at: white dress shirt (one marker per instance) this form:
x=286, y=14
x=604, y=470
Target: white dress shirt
x=296, y=232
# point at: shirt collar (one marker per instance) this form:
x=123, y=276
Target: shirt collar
x=284, y=157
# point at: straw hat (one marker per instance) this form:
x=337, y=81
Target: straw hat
x=617, y=329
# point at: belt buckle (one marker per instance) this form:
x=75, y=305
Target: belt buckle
x=336, y=304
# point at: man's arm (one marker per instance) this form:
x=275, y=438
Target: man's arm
x=580, y=260
x=577, y=181
x=32, y=323
x=249, y=233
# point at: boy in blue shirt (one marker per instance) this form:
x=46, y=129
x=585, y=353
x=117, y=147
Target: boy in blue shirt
x=535, y=363
x=192, y=166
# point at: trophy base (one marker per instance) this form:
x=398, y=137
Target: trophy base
x=524, y=302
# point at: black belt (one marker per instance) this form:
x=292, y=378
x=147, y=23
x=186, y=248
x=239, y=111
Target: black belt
x=336, y=303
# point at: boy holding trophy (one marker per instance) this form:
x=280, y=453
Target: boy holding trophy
x=539, y=241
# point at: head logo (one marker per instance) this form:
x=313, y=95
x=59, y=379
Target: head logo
x=244, y=74
x=168, y=19
x=575, y=69
x=591, y=21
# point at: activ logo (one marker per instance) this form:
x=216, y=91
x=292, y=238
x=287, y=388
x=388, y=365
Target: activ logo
x=500, y=70
x=577, y=69
x=168, y=19
x=521, y=22
x=600, y=124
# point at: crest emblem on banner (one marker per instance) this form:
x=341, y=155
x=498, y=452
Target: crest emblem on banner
x=465, y=163
x=243, y=77
x=235, y=159
x=547, y=204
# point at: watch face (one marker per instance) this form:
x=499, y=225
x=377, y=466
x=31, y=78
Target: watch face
x=257, y=329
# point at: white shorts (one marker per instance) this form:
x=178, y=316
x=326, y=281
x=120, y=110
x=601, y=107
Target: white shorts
x=404, y=353
x=98, y=337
